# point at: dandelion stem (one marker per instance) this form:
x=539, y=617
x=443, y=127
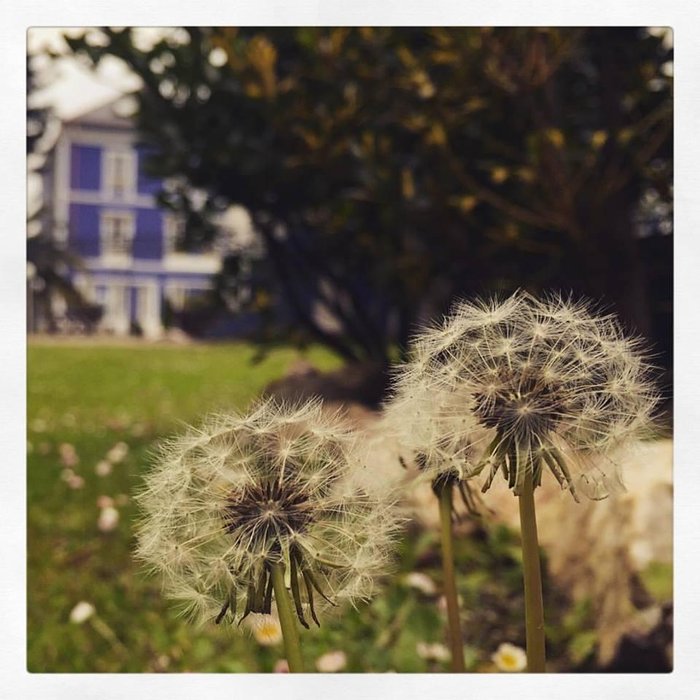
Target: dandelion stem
x=444, y=494
x=288, y=624
x=532, y=579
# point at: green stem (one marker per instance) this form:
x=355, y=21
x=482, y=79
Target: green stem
x=532, y=578
x=288, y=623
x=448, y=567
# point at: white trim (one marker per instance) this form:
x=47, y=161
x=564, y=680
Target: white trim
x=194, y=285
x=61, y=190
x=107, y=138
x=204, y=263
x=125, y=280
x=177, y=263
x=102, y=198
x=148, y=309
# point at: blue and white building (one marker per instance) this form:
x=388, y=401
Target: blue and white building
x=102, y=207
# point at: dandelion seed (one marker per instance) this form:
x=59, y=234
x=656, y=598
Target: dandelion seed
x=82, y=612
x=332, y=662
x=242, y=496
x=510, y=658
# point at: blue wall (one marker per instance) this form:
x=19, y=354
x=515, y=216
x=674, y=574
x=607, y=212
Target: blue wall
x=84, y=226
x=84, y=229
x=148, y=241
x=85, y=170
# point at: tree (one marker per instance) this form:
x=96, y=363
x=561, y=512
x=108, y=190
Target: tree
x=389, y=170
x=49, y=262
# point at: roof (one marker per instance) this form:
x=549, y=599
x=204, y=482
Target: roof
x=113, y=114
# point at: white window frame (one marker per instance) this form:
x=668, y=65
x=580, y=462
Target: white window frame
x=172, y=227
x=107, y=231
x=110, y=187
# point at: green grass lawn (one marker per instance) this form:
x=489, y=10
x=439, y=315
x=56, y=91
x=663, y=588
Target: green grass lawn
x=93, y=397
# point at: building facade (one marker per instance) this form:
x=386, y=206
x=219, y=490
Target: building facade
x=102, y=208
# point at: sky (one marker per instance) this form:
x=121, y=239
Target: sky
x=70, y=87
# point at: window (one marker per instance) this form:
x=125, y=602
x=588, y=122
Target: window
x=120, y=173
x=117, y=233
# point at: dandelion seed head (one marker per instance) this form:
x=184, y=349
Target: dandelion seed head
x=240, y=494
x=536, y=382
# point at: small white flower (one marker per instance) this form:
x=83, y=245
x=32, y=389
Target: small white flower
x=68, y=455
x=265, y=628
x=82, y=612
x=281, y=666
x=69, y=420
x=108, y=519
x=510, y=658
x=118, y=453
x=103, y=468
x=104, y=501
x=73, y=480
x=39, y=425
x=421, y=582
x=433, y=652
x=331, y=662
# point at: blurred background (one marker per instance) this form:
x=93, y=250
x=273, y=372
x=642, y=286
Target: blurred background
x=218, y=212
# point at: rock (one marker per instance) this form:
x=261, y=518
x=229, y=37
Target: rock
x=358, y=383
x=602, y=550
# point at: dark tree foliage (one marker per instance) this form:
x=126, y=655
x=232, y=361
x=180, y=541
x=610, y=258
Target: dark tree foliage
x=51, y=263
x=36, y=116
x=390, y=170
